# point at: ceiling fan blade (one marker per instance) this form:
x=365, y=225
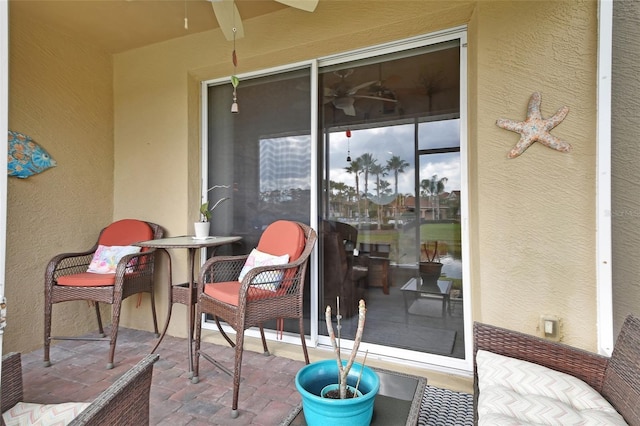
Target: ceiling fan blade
x=308, y=5
x=228, y=17
x=354, y=89
x=349, y=110
x=378, y=98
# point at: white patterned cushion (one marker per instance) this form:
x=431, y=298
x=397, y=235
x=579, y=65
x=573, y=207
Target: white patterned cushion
x=25, y=414
x=516, y=392
x=105, y=259
x=267, y=280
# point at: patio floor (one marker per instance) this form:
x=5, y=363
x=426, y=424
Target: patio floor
x=267, y=392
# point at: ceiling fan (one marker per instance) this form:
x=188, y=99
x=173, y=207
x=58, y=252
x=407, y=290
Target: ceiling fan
x=229, y=18
x=343, y=96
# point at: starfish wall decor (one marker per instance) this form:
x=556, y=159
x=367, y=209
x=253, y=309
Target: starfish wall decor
x=535, y=128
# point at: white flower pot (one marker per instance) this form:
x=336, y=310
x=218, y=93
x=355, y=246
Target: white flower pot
x=201, y=229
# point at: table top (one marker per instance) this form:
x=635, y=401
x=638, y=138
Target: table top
x=444, y=287
x=188, y=241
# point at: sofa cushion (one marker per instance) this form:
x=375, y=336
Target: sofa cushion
x=24, y=413
x=517, y=392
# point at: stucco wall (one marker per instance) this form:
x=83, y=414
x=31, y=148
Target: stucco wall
x=534, y=214
x=532, y=223
x=532, y=218
x=60, y=94
x=625, y=155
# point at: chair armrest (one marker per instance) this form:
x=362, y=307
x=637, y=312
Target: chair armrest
x=11, y=381
x=125, y=402
x=221, y=268
x=586, y=366
x=69, y=264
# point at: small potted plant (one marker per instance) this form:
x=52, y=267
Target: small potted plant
x=357, y=384
x=430, y=266
x=202, y=227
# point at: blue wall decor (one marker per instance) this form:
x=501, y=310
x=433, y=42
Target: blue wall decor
x=26, y=158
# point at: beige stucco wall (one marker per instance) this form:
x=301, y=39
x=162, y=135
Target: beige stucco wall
x=625, y=156
x=535, y=215
x=60, y=94
x=532, y=224
x=533, y=221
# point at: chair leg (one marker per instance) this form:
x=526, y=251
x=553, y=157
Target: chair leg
x=196, y=348
x=304, y=342
x=237, y=373
x=115, y=322
x=224, y=334
x=47, y=329
x=153, y=312
x=100, y=328
x=264, y=342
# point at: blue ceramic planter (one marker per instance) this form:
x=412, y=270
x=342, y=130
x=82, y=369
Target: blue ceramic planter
x=320, y=411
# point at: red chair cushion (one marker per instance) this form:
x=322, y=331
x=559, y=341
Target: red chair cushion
x=87, y=279
x=282, y=237
x=125, y=232
x=121, y=233
x=229, y=292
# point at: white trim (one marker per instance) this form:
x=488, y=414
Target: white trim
x=313, y=208
x=261, y=73
x=464, y=206
x=394, y=46
x=603, y=179
x=4, y=127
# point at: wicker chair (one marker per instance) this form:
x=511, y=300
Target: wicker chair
x=66, y=279
x=341, y=277
x=247, y=303
x=616, y=378
x=125, y=402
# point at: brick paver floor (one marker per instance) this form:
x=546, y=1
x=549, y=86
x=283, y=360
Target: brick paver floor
x=78, y=373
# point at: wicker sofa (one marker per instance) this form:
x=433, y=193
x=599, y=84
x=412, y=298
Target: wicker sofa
x=125, y=402
x=616, y=378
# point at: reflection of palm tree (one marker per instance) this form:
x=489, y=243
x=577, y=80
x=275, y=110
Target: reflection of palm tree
x=366, y=161
x=396, y=165
x=378, y=170
x=341, y=189
x=433, y=188
x=356, y=168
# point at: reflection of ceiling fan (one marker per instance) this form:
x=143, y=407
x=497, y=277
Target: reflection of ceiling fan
x=229, y=18
x=343, y=95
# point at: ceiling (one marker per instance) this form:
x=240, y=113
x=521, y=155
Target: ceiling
x=120, y=25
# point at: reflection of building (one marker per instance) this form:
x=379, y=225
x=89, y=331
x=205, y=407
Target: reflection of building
x=285, y=164
x=447, y=206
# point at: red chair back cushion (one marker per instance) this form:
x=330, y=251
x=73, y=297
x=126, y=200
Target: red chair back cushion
x=282, y=237
x=125, y=232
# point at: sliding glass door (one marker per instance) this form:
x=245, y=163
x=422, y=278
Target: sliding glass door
x=387, y=195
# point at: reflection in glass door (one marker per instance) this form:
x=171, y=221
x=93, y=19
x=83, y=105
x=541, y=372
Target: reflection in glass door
x=390, y=204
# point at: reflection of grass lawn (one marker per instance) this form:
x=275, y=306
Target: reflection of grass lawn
x=448, y=233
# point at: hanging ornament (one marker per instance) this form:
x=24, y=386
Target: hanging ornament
x=186, y=20
x=348, y=146
x=234, y=80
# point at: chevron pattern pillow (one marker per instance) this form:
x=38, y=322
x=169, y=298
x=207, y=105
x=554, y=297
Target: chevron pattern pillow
x=25, y=413
x=517, y=392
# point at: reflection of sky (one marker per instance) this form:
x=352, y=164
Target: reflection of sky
x=384, y=142
x=285, y=163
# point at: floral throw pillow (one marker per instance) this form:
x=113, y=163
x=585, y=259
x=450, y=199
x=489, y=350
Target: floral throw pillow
x=106, y=258
x=267, y=280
